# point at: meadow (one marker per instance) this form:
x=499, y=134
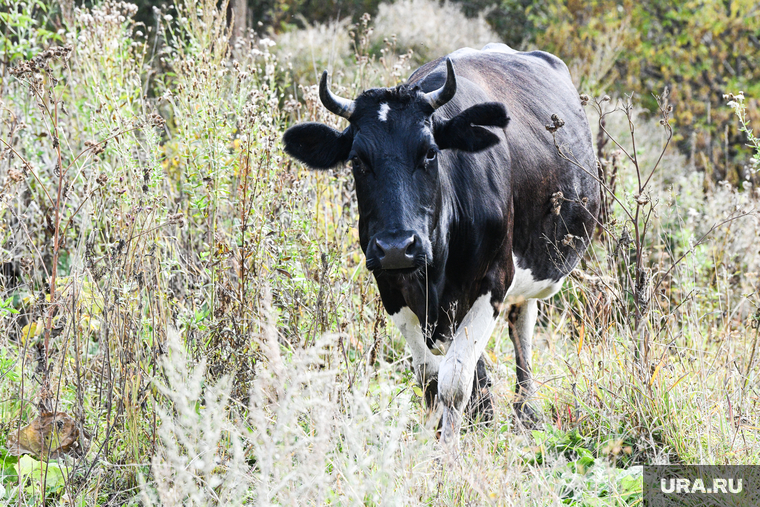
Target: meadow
x=185, y=314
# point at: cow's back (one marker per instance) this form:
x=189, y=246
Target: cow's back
x=534, y=86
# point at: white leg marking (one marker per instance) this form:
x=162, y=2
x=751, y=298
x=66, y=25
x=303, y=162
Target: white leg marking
x=383, y=113
x=525, y=286
x=424, y=362
x=526, y=323
x=458, y=367
x=522, y=339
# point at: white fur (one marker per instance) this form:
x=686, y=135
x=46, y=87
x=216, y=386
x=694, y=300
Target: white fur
x=526, y=321
x=493, y=47
x=383, y=113
x=456, y=370
x=425, y=363
x=499, y=48
x=525, y=286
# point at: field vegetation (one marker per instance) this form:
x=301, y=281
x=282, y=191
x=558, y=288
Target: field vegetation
x=185, y=315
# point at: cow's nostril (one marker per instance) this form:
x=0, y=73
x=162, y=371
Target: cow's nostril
x=408, y=244
x=381, y=247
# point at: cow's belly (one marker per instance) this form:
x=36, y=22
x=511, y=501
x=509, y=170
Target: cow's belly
x=525, y=285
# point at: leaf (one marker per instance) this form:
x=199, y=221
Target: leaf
x=8, y=468
x=418, y=391
x=48, y=436
x=7, y=306
x=678, y=382
x=656, y=371
x=53, y=474
x=29, y=300
x=90, y=323
x=631, y=484
x=31, y=330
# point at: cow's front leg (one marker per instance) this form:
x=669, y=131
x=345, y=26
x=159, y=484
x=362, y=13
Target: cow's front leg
x=455, y=376
x=424, y=362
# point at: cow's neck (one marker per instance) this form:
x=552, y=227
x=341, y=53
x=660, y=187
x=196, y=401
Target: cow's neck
x=441, y=239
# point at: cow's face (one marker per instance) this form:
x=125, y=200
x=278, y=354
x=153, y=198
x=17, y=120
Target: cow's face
x=394, y=159
x=394, y=143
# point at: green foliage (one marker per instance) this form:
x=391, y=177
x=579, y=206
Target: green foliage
x=281, y=13
x=21, y=479
x=8, y=474
x=23, y=28
x=33, y=473
x=698, y=50
x=586, y=478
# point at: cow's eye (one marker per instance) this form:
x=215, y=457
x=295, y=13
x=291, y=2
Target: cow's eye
x=356, y=163
x=431, y=154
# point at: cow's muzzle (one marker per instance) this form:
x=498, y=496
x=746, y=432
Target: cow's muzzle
x=395, y=251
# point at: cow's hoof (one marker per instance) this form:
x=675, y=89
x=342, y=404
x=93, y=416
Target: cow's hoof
x=449, y=429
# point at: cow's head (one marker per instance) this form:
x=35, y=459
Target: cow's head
x=393, y=143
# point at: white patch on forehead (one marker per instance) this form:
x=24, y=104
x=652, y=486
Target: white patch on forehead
x=383, y=113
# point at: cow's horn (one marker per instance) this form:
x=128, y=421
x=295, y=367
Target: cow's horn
x=333, y=103
x=445, y=93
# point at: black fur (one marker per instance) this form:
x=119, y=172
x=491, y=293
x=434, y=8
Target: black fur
x=465, y=131
x=317, y=145
x=480, y=407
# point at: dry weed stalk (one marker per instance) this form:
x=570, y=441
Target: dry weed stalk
x=636, y=280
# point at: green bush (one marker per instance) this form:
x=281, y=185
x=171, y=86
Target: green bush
x=699, y=50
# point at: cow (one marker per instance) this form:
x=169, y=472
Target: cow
x=466, y=206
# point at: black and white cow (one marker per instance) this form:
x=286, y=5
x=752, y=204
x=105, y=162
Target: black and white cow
x=464, y=205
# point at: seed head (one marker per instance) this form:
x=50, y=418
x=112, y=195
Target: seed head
x=556, y=202
x=15, y=175
x=557, y=123
x=156, y=120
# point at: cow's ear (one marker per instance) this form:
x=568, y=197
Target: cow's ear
x=317, y=145
x=465, y=131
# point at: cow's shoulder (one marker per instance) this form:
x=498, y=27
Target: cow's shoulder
x=508, y=59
